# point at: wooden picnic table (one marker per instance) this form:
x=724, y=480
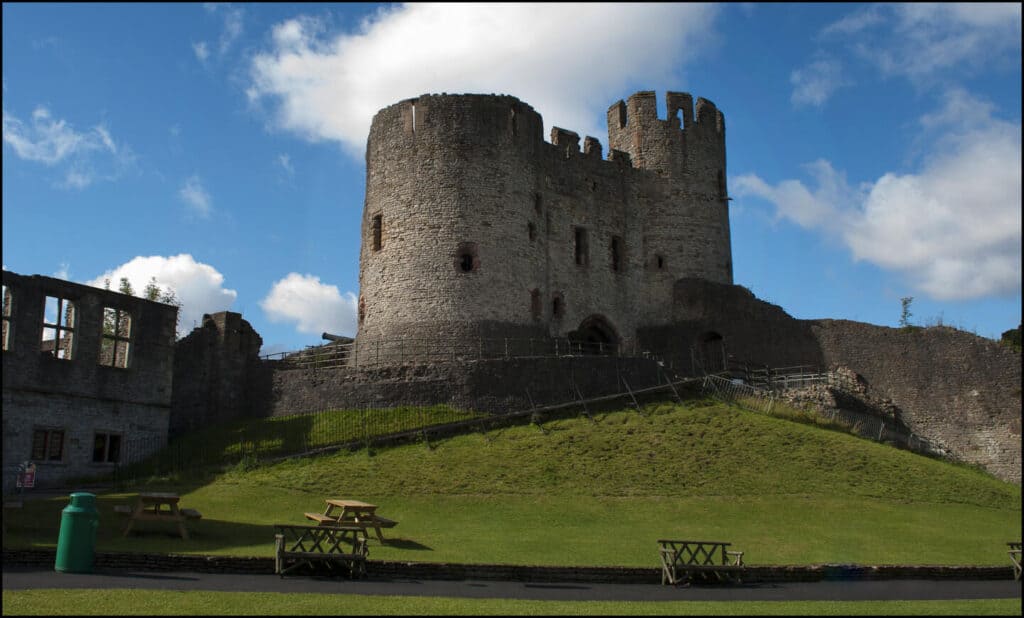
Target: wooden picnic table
x=1014, y=552
x=685, y=559
x=352, y=513
x=150, y=507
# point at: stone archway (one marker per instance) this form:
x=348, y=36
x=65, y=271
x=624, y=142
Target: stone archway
x=595, y=335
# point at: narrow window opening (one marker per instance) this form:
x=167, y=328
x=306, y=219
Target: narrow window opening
x=48, y=445
x=414, y=118
x=116, y=338
x=59, y=332
x=616, y=250
x=467, y=258
x=557, y=306
x=659, y=262
x=7, y=318
x=582, y=253
x=377, y=232
x=532, y=230
x=362, y=309
x=466, y=262
x=535, y=305
x=106, y=448
x=537, y=205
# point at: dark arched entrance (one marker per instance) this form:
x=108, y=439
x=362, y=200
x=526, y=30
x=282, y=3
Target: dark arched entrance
x=595, y=335
x=710, y=353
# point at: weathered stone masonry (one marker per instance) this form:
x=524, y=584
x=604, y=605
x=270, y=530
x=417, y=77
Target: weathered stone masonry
x=82, y=400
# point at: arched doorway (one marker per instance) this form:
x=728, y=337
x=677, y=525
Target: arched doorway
x=595, y=335
x=710, y=353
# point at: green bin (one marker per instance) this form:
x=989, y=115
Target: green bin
x=77, y=540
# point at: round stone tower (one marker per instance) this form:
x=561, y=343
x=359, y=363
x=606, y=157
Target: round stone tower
x=474, y=227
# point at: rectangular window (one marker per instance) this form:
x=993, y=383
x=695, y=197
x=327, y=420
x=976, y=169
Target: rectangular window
x=114, y=344
x=582, y=253
x=616, y=253
x=377, y=232
x=59, y=334
x=7, y=318
x=106, y=448
x=48, y=445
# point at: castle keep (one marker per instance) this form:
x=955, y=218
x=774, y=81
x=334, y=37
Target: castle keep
x=474, y=226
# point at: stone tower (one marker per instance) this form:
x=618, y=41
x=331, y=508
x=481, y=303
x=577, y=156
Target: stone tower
x=474, y=226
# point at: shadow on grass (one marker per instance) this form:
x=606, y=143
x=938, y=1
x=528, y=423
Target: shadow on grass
x=406, y=544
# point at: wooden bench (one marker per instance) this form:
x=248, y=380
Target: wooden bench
x=688, y=561
x=334, y=547
x=125, y=509
x=322, y=520
x=1015, y=559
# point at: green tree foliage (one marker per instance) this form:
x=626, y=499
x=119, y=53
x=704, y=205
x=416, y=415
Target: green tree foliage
x=905, y=314
x=1011, y=338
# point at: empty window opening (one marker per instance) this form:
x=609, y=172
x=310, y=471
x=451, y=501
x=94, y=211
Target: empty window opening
x=48, y=445
x=616, y=249
x=557, y=306
x=537, y=205
x=58, y=328
x=362, y=309
x=659, y=262
x=7, y=318
x=535, y=305
x=377, y=232
x=582, y=253
x=467, y=259
x=116, y=339
x=106, y=448
x=532, y=230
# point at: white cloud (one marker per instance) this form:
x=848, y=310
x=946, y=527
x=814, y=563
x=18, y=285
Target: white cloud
x=285, y=161
x=815, y=83
x=562, y=59
x=198, y=286
x=314, y=307
x=62, y=272
x=52, y=142
x=921, y=40
x=196, y=197
x=201, y=51
x=954, y=227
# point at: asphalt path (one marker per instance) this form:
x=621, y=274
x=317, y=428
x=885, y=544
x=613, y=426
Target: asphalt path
x=25, y=577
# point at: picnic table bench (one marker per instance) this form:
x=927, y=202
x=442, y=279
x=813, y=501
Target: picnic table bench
x=1015, y=558
x=690, y=560
x=352, y=513
x=335, y=547
x=150, y=507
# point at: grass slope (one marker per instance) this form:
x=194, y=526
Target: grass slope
x=602, y=492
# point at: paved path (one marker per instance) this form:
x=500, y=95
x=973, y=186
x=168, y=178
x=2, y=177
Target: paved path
x=24, y=577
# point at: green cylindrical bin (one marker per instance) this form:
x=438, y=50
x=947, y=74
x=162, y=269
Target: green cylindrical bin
x=77, y=540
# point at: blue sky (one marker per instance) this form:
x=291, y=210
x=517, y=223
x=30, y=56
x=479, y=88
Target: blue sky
x=874, y=151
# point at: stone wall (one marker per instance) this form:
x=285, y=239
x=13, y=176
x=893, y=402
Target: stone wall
x=960, y=391
x=216, y=368
x=496, y=386
x=76, y=391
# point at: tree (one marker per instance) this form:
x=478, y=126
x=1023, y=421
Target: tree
x=905, y=314
x=1011, y=338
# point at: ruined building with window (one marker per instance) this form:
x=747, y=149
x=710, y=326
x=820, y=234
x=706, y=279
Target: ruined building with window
x=87, y=377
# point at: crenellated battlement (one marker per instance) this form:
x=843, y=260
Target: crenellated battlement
x=642, y=109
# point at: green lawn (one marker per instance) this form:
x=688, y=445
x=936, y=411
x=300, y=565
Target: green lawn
x=199, y=603
x=601, y=493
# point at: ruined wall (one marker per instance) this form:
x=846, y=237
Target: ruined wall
x=77, y=391
x=959, y=390
x=495, y=386
x=215, y=368
x=472, y=221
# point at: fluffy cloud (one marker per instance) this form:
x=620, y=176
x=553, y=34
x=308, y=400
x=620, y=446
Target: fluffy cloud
x=921, y=40
x=314, y=307
x=815, y=83
x=52, y=141
x=562, y=59
x=196, y=197
x=198, y=286
x=954, y=228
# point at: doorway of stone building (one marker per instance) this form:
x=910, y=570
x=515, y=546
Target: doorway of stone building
x=595, y=335
x=710, y=352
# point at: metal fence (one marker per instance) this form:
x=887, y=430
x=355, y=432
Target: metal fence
x=375, y=352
